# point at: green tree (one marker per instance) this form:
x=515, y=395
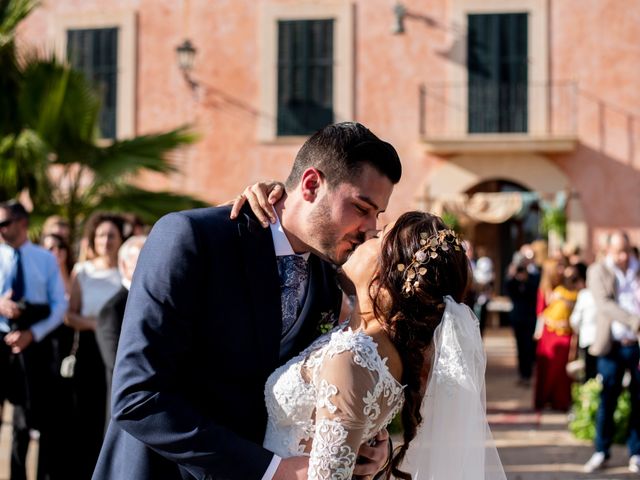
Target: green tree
x=451, y=221
x=554, y=219
x=49, y=140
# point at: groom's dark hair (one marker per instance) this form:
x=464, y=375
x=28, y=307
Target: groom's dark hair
x=339, y=152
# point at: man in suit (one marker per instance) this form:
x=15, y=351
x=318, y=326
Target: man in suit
x=217, y=304
x=112, y=314
x=614, y=285
x=32, y=305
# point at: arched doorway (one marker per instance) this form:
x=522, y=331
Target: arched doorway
x=526, y=171
x=499, y=241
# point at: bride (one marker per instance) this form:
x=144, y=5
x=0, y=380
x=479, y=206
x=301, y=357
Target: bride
x=409, y=348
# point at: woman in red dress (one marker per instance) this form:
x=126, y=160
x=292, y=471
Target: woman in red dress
x=553, y=385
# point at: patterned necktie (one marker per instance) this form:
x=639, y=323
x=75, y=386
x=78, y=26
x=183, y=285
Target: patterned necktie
x=293, y=273
x=17, y=284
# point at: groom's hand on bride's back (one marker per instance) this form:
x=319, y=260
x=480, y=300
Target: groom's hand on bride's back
x=373, y=456
x=293, y=468
x=261, y=197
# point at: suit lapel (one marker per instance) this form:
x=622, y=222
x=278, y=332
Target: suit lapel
x=263, y=285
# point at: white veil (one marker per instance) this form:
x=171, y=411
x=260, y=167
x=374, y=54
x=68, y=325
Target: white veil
x=454, y=441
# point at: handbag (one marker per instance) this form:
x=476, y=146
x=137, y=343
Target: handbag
x=575, y=369
x=68, y=364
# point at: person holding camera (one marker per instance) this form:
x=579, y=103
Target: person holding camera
x=522, y=287
x=32, y=305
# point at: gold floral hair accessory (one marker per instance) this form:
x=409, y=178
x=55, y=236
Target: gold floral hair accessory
x=432, y=246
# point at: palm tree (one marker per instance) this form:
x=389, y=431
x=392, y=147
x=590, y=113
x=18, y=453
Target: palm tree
x=49, y=140
x=12, y=178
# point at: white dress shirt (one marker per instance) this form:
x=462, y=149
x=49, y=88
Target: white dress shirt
x=627, y=283
x=42, y=282
x=283, y=247
x=583, y=318
x=281, y=243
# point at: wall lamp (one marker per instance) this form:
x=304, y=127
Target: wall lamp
x=400, y=13
x=186, y=53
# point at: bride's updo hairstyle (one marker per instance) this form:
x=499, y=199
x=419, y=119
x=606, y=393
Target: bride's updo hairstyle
x=421, y=262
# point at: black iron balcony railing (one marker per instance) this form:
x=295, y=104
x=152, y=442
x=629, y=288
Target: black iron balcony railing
x=457, y=110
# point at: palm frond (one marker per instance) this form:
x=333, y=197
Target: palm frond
x=149, y=206
x=82, y=107
x=12, y=12
x=30, y=153
x=60, y=105
x=10, y=80
x=8, y=168
x=146, y=152
x=6, y=143
x=23, y=165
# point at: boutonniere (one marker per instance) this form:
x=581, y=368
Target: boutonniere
x=327, y=321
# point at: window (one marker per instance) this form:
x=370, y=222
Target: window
x=305, y=76
x=497, y=49
x=95, y=52
x=306, y=68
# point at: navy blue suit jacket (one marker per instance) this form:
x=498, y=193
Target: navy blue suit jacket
x=200, y=336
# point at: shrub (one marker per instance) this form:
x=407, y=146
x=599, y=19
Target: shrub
x=586, y=399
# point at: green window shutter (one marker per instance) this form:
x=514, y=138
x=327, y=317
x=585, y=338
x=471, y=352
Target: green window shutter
x=497, y=50
x=305, y=76
x=95, y=53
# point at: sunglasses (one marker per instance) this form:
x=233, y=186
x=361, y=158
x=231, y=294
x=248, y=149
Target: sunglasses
x=6, y=223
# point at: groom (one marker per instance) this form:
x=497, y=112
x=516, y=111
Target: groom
x=216, y=305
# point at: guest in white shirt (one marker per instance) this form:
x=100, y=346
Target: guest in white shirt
x=583, y=321
x=93, y=283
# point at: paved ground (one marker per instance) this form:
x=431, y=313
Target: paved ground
x=532, y=446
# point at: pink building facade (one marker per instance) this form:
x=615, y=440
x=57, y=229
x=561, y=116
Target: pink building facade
x=478, y=96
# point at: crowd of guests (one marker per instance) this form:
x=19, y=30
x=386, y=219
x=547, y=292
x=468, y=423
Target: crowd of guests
x=62, y=306
x=573, y=322
x=60, y=319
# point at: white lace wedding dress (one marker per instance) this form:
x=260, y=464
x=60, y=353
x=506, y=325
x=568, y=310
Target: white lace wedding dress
x=327, y=401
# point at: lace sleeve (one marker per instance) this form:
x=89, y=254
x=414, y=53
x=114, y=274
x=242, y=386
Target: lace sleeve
x=346, y=404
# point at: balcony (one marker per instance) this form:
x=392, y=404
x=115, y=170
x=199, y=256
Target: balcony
x=497, y=119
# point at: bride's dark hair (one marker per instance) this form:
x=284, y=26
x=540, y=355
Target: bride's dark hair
x=411, y=317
